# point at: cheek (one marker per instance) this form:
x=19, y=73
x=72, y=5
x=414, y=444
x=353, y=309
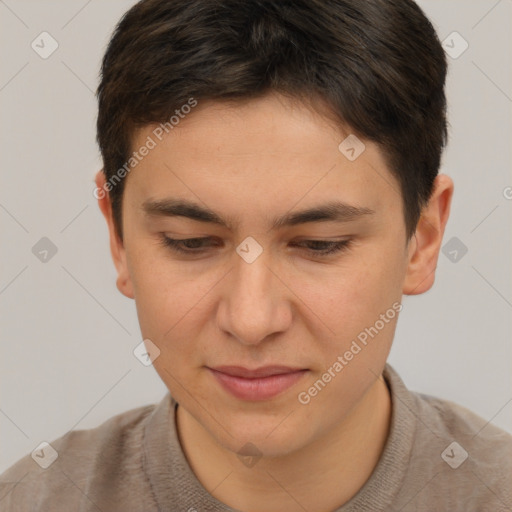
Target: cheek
x=360, y=292
x=168, y=307
x=173, y=302
x=161, y=293
x=351, y=303
x=362, y=309
x=170, y=312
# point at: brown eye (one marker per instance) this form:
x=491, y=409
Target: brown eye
x=324, y=247
x=186, y=245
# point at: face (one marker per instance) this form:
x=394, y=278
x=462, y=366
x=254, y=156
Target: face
x=255, y=293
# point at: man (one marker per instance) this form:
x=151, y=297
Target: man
x=271, y=190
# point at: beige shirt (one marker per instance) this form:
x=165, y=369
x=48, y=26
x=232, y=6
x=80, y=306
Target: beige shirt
x=439, y=456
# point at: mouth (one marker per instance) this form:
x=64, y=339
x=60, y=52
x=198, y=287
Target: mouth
x=258, y=384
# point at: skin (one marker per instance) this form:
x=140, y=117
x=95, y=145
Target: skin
x=250, y=162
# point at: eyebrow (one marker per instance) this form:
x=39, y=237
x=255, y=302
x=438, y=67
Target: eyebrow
x=332, y=211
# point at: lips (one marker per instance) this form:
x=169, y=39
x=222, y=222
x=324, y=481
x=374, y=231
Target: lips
x=257, y=384
x=264, y=371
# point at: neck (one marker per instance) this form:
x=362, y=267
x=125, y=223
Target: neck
x=308, y=479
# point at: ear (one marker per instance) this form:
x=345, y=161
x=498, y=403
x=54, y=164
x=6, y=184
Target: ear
x=124, y=283
x=425, y=245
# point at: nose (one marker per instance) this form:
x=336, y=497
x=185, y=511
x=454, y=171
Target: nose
x=255, y=303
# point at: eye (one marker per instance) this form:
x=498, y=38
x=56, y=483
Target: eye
x=186, y=245
x=326, y=247
x=313, y=247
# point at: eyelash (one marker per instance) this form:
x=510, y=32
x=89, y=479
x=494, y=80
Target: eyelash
x=333, y=247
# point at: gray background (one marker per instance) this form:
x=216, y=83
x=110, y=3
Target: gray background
x=68, y=334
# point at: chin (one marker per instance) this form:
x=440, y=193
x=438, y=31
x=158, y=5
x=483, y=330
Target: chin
x=266, y=436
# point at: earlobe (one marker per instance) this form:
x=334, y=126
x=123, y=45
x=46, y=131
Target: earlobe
x=123, y=282
x=425, y=246
x=124, y=285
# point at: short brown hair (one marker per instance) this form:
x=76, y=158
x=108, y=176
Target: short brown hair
x=378, y=64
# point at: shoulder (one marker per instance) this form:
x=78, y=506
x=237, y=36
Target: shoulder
x=468, y=458
x=452, y=420
x=56, y=476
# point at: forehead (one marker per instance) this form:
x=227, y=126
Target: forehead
x=270, y=150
